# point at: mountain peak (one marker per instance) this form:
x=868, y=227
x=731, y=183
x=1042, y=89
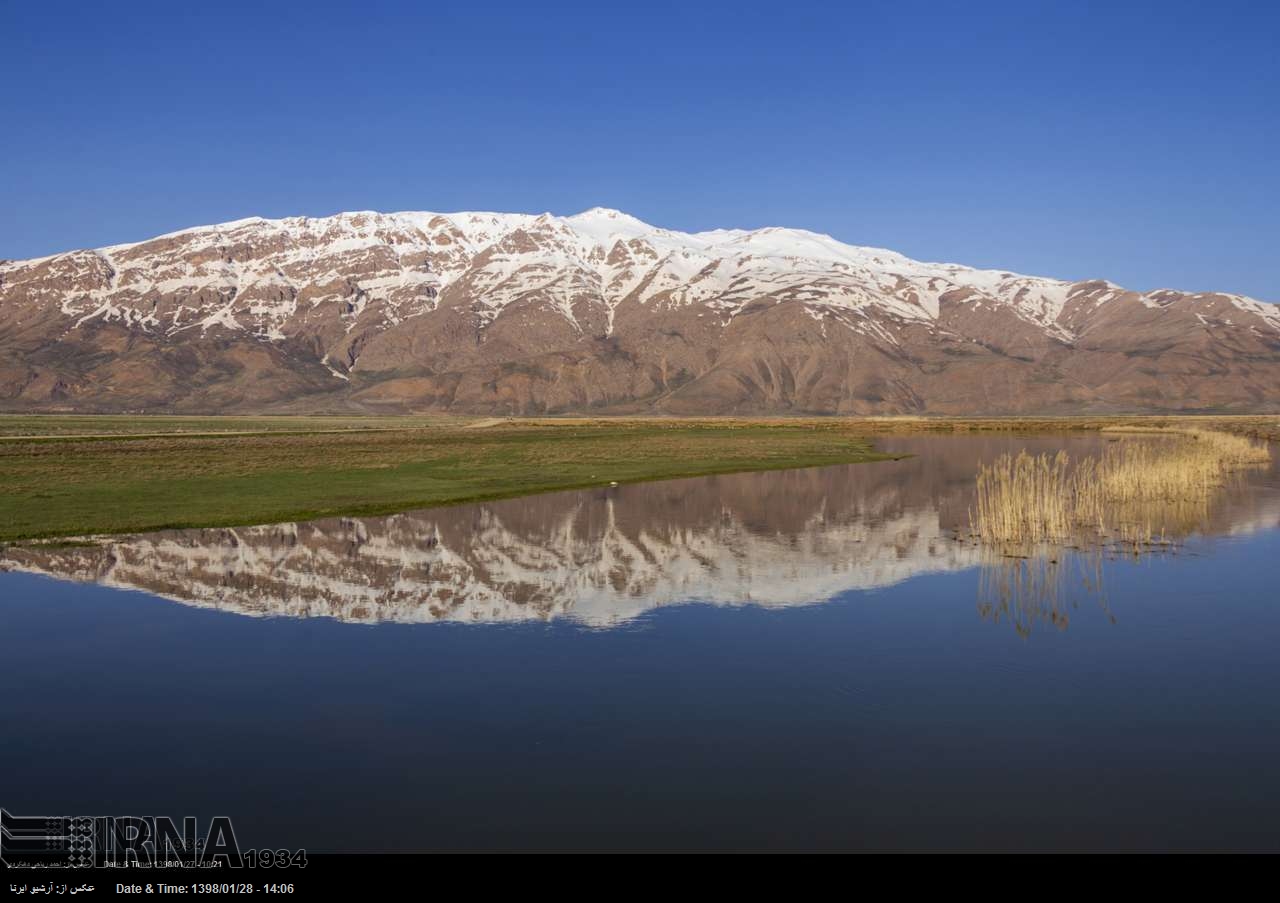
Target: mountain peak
x=604, y=225
x=603, y=213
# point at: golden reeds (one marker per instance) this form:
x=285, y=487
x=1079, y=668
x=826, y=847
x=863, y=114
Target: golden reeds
x=1138, y=492
x=1026, y=499
x=1046, y=522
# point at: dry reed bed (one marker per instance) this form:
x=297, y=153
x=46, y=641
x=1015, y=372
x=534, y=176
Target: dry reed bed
x=1142, y=488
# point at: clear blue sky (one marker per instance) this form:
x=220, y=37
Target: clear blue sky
x=1134, y=141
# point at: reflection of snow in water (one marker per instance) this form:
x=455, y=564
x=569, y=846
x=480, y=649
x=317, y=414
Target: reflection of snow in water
x=600, y=558
x=355, y=570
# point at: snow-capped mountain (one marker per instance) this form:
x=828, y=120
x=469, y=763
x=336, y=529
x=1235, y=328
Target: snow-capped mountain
x=517, y=313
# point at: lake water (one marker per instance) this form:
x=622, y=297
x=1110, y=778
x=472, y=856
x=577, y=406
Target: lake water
x=806, y=659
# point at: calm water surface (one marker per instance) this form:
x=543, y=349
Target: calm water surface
x=803, y=659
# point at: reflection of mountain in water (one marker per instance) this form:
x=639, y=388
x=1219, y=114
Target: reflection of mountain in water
x=601, y=557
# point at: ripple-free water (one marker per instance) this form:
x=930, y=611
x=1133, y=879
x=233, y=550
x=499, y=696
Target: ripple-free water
x=804, y=659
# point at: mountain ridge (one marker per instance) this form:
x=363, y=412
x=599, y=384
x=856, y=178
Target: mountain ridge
x=599, y=312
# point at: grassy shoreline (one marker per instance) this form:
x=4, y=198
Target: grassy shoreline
x=140, y=478
x=71, y=475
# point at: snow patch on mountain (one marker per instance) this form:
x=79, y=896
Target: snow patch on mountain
x=271, y=277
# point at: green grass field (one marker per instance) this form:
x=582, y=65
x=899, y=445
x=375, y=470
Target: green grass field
x=72, y=475
x=112, y=475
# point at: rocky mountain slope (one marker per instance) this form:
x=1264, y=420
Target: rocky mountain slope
x=598, y=312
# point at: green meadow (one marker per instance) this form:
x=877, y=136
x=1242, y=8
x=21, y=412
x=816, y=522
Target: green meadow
x=77, y=475
x=70, y=475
